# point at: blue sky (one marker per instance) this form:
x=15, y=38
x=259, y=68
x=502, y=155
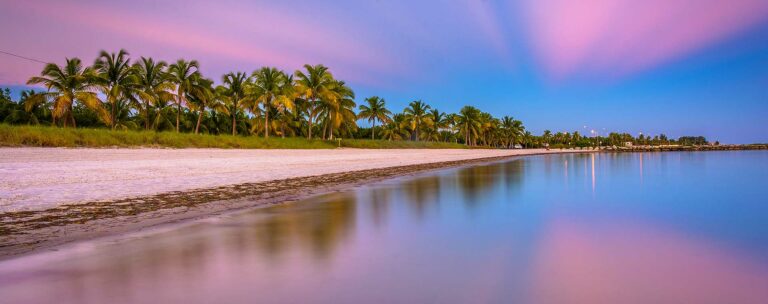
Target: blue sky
x=681, y=67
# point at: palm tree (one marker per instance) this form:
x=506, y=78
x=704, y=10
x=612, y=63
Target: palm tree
x=394, y=130
x=439, y=121
x=272, y=87
x=36, y=112
x=375, y=110
x=202, y=95
x=416, y=113
x=152, y=84
x=340, y=109
x=469, y=123
x=235, y=84
x=116, y=79
x=181, y=73
x=314, y=85
x=65, y=86
x=547, y=136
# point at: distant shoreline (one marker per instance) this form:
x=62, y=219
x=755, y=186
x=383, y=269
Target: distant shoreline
x=36, y=229
x=690, y=148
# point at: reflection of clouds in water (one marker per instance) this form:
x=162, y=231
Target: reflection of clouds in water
x=623, y=262
x=616, y=243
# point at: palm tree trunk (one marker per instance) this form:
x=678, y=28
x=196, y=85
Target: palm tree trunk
x=178, y=114
x=234, y=124
x=309, y=128
x=373, y=130
x=266, y=120
x=146, y=117
x=72, y=117
x=113, y=114
x=199, y=119
x=309, y=116
x=325, y=128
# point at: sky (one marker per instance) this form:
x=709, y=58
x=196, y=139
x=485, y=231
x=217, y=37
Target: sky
x=679, y=67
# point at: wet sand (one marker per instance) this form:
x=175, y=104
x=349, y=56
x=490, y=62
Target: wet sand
x=51, y=197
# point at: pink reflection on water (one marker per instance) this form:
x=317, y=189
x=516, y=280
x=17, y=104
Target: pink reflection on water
x=613, y=262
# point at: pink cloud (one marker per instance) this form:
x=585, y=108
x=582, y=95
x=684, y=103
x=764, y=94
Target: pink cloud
x=256, y=37
x=625, y=36
x=625, y=262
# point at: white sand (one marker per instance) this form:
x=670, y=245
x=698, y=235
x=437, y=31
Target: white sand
x=41, y=178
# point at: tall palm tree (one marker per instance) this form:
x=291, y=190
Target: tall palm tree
x=272, y=87
x=416, y=113
x=152, y=85
x=116, y=79
x=65, y=86
x=235, y=84
x=547, y=136
x=181, y=73
x=375, y=110
x=439, y=121
x=340, y=109
x=314, y=85
x=469, y=123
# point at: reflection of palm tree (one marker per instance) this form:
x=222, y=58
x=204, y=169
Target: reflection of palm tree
x=476, y=181
x=422, y=193
x=66, y=85
x=321, y=225
x=380, y=200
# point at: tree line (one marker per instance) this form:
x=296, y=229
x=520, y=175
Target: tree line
x=118, y=93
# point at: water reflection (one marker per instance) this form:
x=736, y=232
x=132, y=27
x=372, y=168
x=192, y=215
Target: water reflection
x=623, y=262
x=576, y=228
x=317, y=226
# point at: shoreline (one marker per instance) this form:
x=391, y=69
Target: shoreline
x=32, y=231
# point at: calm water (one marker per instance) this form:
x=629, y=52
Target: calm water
x=603, y=228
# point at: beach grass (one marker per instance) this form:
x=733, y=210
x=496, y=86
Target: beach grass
x=44, y=136
x=398, y=144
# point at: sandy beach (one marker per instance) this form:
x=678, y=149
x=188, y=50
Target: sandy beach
x=52, y=196
x=42, y=178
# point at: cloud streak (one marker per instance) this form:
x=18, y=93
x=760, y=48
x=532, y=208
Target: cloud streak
x=621, y=37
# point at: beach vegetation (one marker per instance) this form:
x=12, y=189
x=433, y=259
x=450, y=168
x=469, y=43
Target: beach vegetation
x=124, y=96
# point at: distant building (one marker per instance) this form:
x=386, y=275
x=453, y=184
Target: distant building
x=627, y=143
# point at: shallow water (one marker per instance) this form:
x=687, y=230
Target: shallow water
x=688, y=227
